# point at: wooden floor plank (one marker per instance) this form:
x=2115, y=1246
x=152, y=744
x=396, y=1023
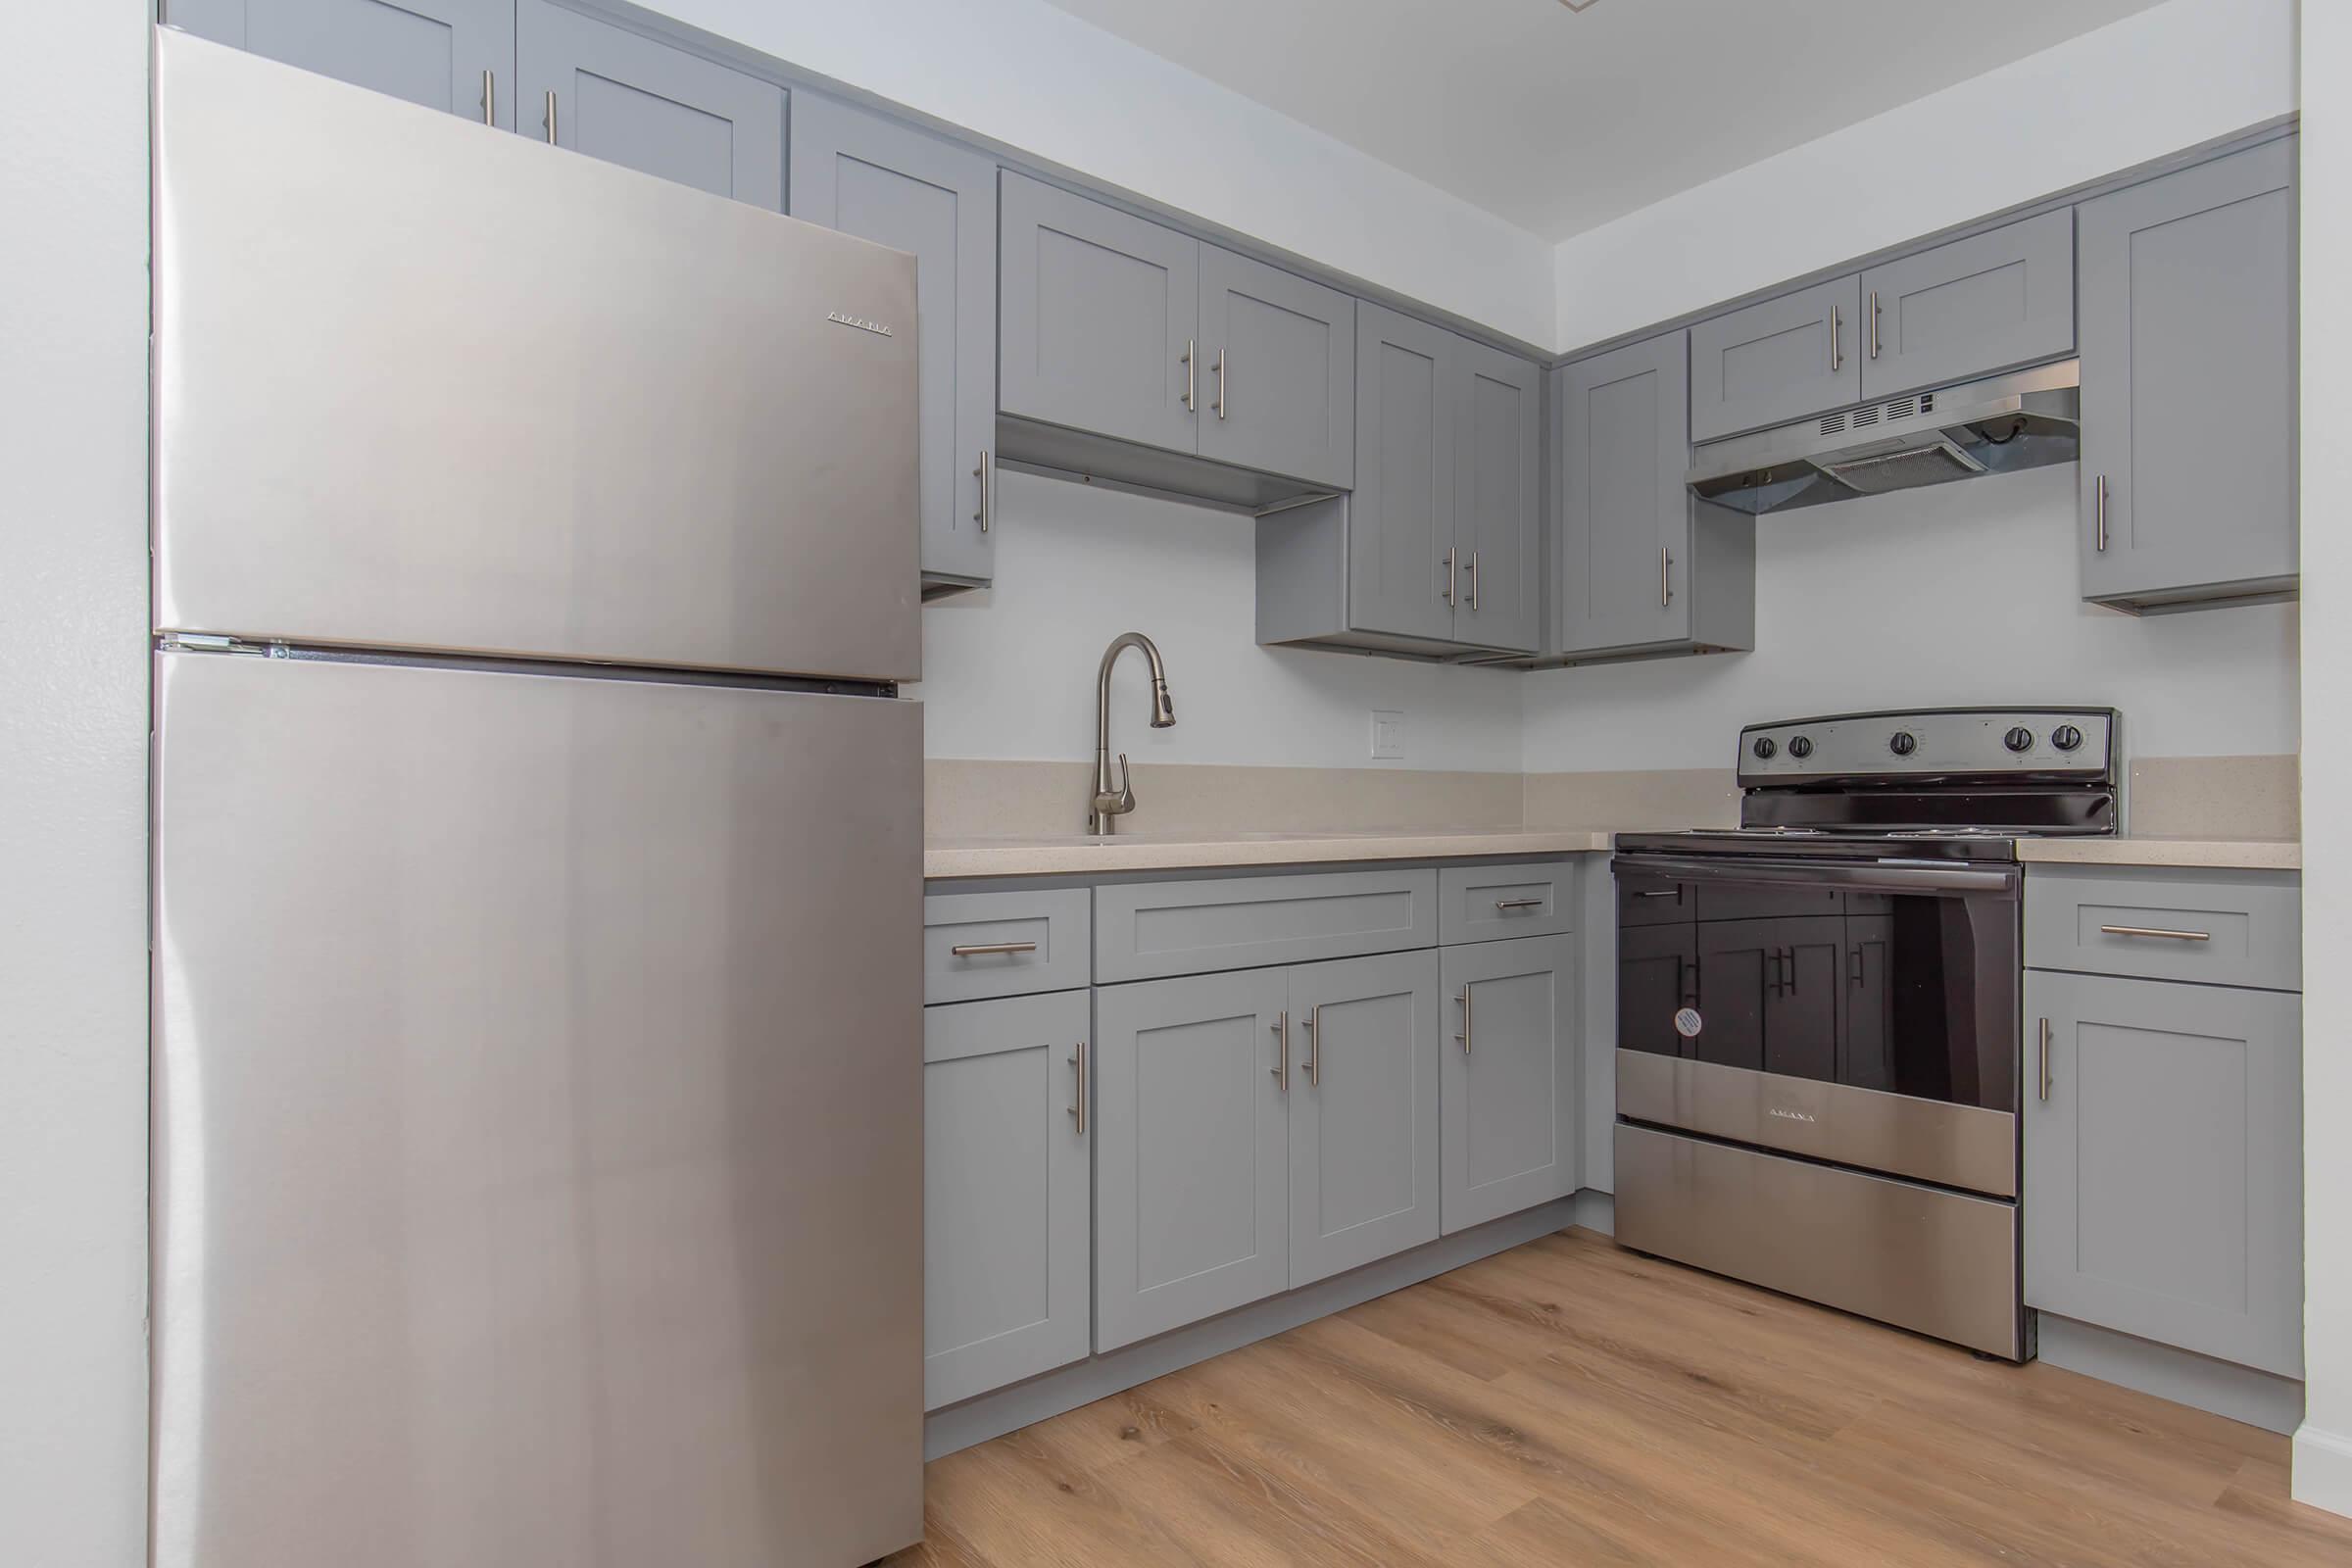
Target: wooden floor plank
x=1570, y=1403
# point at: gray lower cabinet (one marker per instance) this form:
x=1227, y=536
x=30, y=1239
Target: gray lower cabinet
x=1641, y=566
x=1005, y=1223
x=2188, y=339
x=1363, y=1110
x=1508, y=1092
x=935, y=199
x=618, y=95
x=1988, y=303
x=1191, y=1179
x=1777, y=361
x=452, y=54
x=2163, y=1163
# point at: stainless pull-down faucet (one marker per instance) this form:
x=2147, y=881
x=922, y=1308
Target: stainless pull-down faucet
x=1111, y=804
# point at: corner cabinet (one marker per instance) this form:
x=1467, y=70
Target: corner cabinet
x=935, y=199
x=1643, y=566
x=1439, y=550
x=2188, y=386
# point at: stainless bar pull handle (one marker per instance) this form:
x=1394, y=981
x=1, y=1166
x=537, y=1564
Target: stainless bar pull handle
x=1854, y=967
x=2156, y=931
x=1188, y=373
x=1789, y=969
x=1874, y=323
x=1660, y=893
x=1837, y=339
x=1447, y=592
x=489, y=96
x=550, y=118
x=1078, y=1103
x=1473, y=579
x=2102, y=512
x=1665, y=578
x=978, y=949
x=1314, y=1046
x=982, y=517
x=1281, y=1051
x=1536, y=904
x=1219, y=404
x=1463, y=1039
x=2042, y=1075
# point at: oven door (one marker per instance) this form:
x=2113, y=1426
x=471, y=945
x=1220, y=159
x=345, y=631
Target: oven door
x=1858, y=1013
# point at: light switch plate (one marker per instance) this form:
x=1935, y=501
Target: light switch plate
x=1387, y=734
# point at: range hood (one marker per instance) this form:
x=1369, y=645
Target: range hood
x=1996, y=424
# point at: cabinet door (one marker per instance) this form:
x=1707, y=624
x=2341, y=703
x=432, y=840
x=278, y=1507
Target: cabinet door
x=1403, y=575
x=1778, y=361
x=1363, y=1090
x=1279, y=357
x=2164, y=1163
x=1657, y=975
x=2188, y=382
x=1006, y=1233
x=936, y=200
x=1192, y=1211
x=1771, y=994
x=1508, y=1096
x=1867, y=1054
x=620, y=96
x=1098, y=324
x=1498, y=473
x=453, y=55
x=1623, y=432
x=1975, y=306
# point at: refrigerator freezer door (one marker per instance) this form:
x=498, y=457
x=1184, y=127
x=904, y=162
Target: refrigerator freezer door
x=537, y=1122
x=422, y=384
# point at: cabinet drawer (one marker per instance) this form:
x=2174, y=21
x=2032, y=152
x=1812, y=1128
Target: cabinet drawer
x=1646, y=899
x=1483, y=902
x=1148, y=930
x=2230, y=928
x=1003, y=944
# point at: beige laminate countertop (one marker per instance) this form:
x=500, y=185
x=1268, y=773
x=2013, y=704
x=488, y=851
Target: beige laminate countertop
x=2239, y=855
x=1079, y=854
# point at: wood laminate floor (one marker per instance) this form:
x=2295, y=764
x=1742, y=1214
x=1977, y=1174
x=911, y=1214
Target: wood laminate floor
x=1569, y=1402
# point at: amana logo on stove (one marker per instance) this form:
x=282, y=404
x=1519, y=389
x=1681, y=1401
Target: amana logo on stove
x=859, y=322
x=1792, y=1116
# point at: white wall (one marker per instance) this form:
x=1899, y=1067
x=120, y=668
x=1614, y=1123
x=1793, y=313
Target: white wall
x=2183, y=72
x=1957, y=594
x=2322, y=1468
x=1119, y=113
x=72, y=786
x=1010, y=672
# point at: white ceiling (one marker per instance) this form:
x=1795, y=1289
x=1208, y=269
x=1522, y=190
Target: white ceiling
x=1561, y=120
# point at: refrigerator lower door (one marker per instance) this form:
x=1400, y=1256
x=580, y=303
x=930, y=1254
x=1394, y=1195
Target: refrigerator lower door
x=537, y=1120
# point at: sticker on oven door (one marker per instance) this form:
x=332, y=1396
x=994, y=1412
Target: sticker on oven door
x=1688, y=1024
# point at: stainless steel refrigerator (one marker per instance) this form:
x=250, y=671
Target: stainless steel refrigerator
x=537, y=1098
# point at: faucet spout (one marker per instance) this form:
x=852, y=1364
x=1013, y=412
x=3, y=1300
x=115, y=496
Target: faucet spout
x=1110, y=803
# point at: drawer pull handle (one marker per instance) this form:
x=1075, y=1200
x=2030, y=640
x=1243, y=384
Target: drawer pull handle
x=1659, y=893
x=977, y=950
x=2156, y=931
x=1518, y=904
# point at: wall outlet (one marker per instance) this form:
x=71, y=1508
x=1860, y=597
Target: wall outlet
x=1387, y=734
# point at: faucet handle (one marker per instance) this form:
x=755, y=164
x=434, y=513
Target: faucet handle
x=1126, y=791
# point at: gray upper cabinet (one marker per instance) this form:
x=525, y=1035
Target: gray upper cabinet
x=2189, y=338
x=2164, y=1163
x=1192, y=1181
x=1007, y=1271
x=1280, y=368
x=1099, y=319
x=936, y=200
x=1403, y=575
x=618, y=95
x=1498, y=602
x=452, y=54
x=1363, y=1094
x=1508, y=1094
x=1778, y=361
x=1640, y=567
x=1991, y=301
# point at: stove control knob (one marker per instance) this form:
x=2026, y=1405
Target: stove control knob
x=2019, y=739
x=1800, y=746
x=1764, y=748
x=1902, y=743
x=2066, y=737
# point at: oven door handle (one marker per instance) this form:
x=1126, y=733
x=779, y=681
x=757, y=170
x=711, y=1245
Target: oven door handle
x=1910, y=876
